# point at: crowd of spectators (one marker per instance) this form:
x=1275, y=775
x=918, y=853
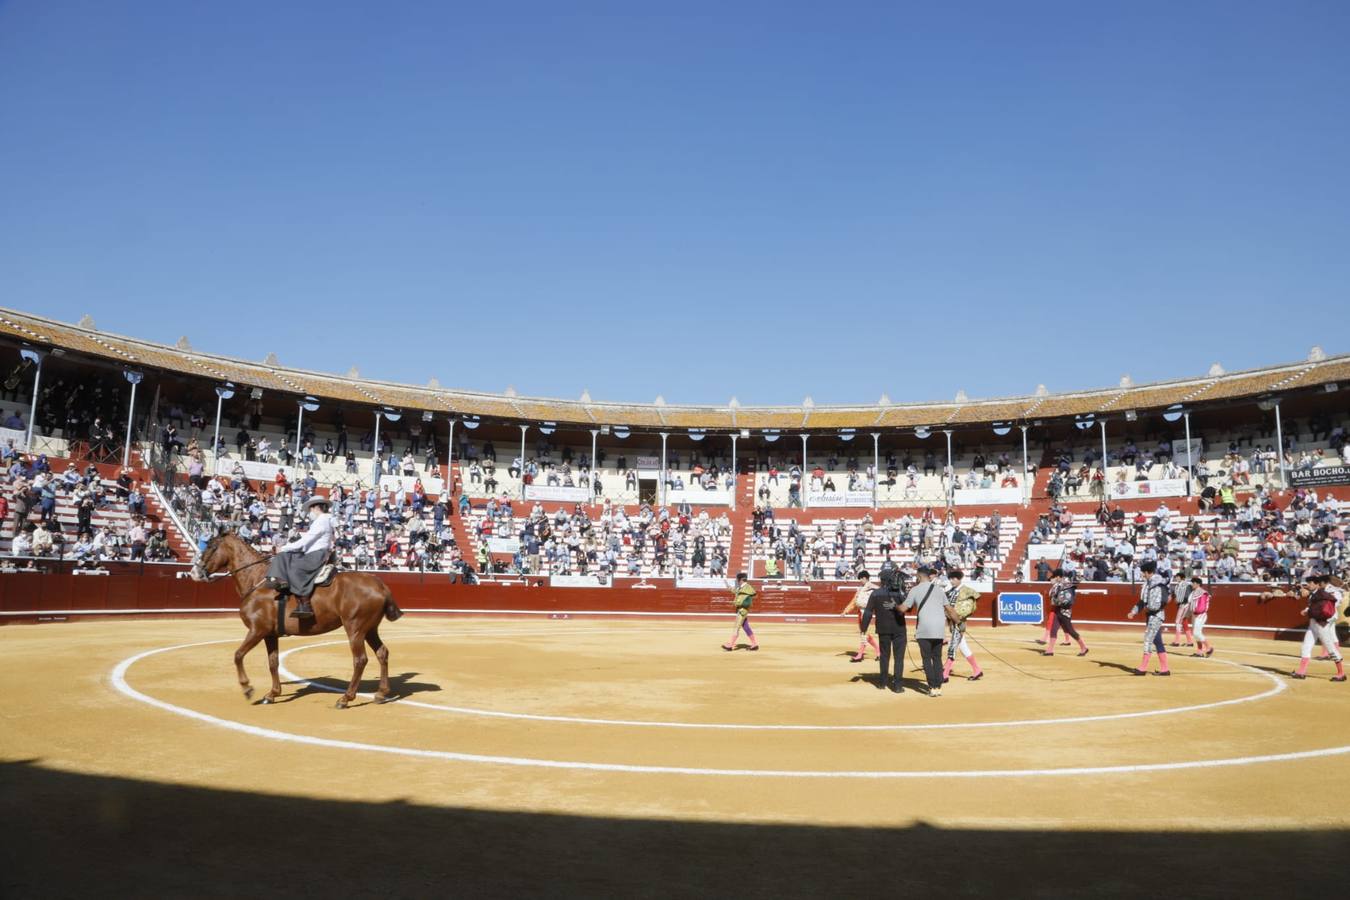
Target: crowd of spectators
x=840, y=549
x=384, y=528
x=1305, y=536
x=37, y=491
x=653, y=541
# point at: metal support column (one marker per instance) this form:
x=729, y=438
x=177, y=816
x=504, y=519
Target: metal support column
x=135, y=379
x=951, y=471
x=1106, y=483
x=1190, y=463
x=375, y=452
x=801, y=488
x=876, y=466
x=37, y=383
x=523, y=429
x=595, y=433
x=665, y=475
x=1279, y=445
x=735, y=473
x=1026, y=470
x=223, y=393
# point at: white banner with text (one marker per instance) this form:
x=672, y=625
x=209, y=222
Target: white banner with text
x=579, y=581
x=557, y=493
x=259, y=471
x=503, y=545
x=827, y=499
x=698, y=497
x=704, y=582
x=1142, y=490
x=989, y=496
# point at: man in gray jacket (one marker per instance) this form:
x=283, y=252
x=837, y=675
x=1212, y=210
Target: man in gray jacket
x=928, y=601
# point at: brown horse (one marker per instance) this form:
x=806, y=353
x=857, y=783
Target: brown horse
x=353, y=601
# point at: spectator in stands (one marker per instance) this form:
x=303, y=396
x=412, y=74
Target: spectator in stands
x=137, y=536
x=157, y=548
x=22, y=545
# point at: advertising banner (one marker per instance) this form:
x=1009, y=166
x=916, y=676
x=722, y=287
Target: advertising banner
x=698, y=497
x=579, y=581
x=1179, y=451
x=554, y=492
x=1136, y=490
x=258, y=471
x=1020, y=608
x=1318, y=476
x=648, y=463
x=971, y=496
x=838, y=498
x=704, y=582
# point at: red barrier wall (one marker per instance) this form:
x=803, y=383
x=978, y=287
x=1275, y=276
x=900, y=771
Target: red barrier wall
x=134, y=589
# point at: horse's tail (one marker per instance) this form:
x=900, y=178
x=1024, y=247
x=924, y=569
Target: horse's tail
x=391, y=610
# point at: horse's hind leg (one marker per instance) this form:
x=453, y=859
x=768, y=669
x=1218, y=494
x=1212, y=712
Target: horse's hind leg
x=250, y=641
x=273, y=665
x=358, y=645
x=382, y=656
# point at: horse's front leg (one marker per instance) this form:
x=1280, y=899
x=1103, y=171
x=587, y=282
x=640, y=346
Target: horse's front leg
x=273, y=665
x=250, y=641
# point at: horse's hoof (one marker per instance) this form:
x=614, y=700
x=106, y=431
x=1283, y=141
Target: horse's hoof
x=268, y=699
x=248, y=693
x=341, y=704
x=383, y=698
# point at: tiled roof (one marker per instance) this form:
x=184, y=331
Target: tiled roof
x=41, y=331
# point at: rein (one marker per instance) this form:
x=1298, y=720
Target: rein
x=261, y=581
x=256, y=562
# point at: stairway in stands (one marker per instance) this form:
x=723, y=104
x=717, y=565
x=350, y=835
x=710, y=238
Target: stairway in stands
x=466, y=550
x=184, y=547
x=740, y=522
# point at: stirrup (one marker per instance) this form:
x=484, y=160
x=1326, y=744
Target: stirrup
x=303, y=609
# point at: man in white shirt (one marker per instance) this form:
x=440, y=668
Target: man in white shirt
x=298, y=562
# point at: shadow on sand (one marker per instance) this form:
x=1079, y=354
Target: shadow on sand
x=70, y=834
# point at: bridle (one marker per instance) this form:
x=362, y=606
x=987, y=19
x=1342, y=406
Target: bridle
x=200, y=566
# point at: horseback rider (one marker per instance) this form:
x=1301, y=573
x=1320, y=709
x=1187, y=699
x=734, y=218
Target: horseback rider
x=298, y=562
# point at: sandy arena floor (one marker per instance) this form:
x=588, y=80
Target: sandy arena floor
x=607, y=757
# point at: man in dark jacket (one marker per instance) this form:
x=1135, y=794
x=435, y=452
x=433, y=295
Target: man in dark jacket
x=884, y=605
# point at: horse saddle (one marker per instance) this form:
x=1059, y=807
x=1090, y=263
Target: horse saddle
x=326, y=575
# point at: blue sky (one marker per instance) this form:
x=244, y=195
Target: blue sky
x=700, y=200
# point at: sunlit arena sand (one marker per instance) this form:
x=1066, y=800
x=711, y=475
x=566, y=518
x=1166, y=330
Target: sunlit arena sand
x=621, y=728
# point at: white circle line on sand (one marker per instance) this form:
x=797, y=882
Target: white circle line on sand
x=119, y=682
x=1277, y=686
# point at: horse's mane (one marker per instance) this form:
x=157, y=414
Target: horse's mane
x=243, y=552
